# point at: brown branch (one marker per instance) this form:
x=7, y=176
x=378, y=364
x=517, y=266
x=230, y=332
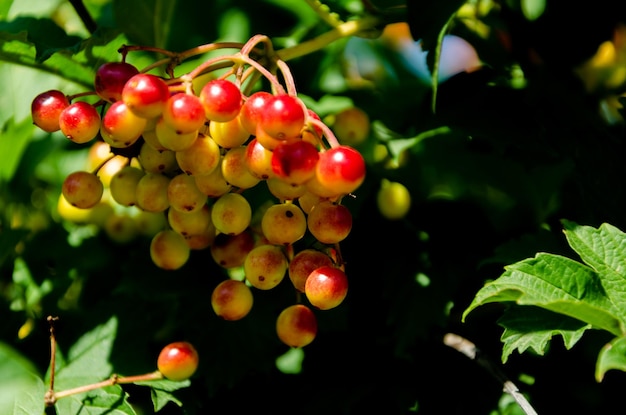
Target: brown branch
x=85, y=17
x=469, y=349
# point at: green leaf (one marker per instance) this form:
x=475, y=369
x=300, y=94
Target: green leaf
x=44, y=34
x=29, y=398
x=5, y=6
x=555, y=283
x=88, y=358
x=21, y=388
x=527, y=327
x=75, y=62
x=604, y=250
x=111, y=400
x=15, y=138
x=146, y=22
x=611, y=356
x=161, y=392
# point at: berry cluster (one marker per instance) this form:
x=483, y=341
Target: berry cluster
x=192, y=150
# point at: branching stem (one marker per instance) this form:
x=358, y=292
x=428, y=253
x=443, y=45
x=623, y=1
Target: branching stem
x=470, y=350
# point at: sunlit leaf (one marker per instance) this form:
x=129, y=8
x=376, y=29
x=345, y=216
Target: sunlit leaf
x=15, y=138
x=111, y=400
x=555, y=283
x=604, y=250
x=611, y=356
x=87, y=359
x=21, y=388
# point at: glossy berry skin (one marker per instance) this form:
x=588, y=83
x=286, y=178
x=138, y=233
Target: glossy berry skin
x=184, y=113
x=46, y=109
x=252, y=109
x=80, y=122
x=120, y=126
x=110, y=79
x=295, y=161
x=329, y=222
x=146, y=95
x=178, y=361
x=326, y=287
x=296, y=325
x=221, y=99
x=305, y=262
x=341, y=169
x=282, y=117
x=232, y=300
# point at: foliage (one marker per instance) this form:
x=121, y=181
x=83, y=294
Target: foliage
x=499, y=161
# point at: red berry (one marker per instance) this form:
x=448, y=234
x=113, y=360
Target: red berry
x=80, y=122
x=46, y=109
x=178, y=361
x=145, y=95
x=221, y=100
x=283, y=117
x=326, y=287
x=295, y=161
x=184, y=113
x=110, y=79
x=341, y=169
x=252, y=108
x=120, y=126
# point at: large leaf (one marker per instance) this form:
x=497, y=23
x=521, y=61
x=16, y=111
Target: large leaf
x=15, y=138
x=612, y=356
x=162, y=392
x=21, y=388
x=555, y=283
x=29, y=396
x=532, y=328
x=604, y=250
x=111, y=400
x=88, y=358
x=22, y=43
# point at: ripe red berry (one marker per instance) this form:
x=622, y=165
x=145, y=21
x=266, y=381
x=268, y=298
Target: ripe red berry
x=178, y=361
x=184, y=113
x=80, y=122
x=46, y=109
x=110, y=79
x=295, y=161
x=221, y=100
x=341, y=169
x=145, y=95
x=283, y=117
x=326, y=287
x=252, y=108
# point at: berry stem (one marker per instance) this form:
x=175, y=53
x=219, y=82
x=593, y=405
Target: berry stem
x=350, y=28
x=328, y=133
x=113, y=380
x=53, y=352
